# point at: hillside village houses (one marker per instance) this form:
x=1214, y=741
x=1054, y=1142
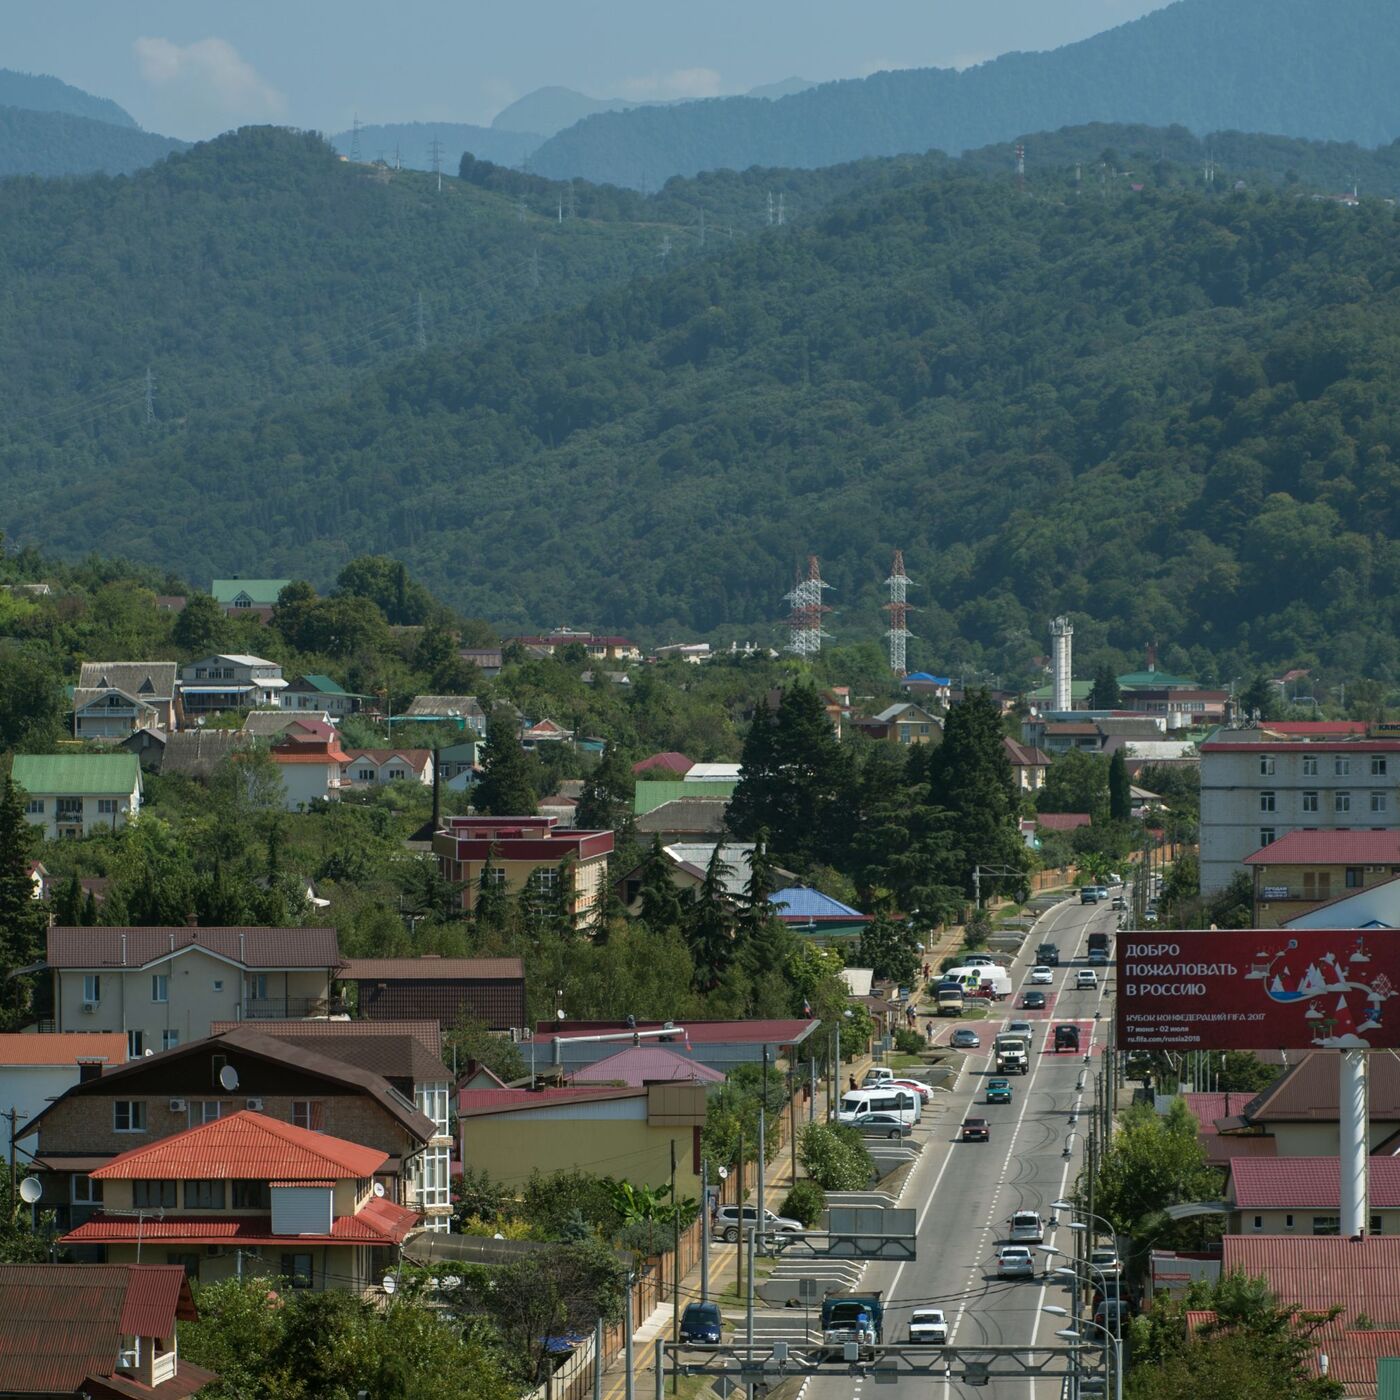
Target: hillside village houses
x=229, y=682
x=245, y=597
x=75, y=794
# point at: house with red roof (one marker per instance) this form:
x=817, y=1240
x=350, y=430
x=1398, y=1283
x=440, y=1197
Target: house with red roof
x=1302, y=1195
x=1305, y=869
x=36, y=1069
x=1062, y=821
x=98, y=1330
x=311, y=771
x=663, y=763
x=249, y=1193
x=375, y=767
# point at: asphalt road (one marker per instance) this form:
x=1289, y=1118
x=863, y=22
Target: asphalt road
x=965, y=1192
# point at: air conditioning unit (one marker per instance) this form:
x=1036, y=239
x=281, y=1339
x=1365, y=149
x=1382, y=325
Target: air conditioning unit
x=89, y=1007
x=178, y=1106
x=255, y=1105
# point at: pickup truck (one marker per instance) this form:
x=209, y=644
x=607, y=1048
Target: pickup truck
x=1048, y=954
x=852, y=1317
x=1012, y=1053
x=874, y=1078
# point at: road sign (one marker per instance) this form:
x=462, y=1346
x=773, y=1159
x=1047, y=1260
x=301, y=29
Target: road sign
x=1257, y=989
x=723, y=1387
x=808, y=1290
x=871, y=1232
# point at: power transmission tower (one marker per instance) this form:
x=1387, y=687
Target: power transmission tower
x=702, y=226
x=1020, y=166
x=355, y=139
x=770, y=208
x=805, y=619
x=535, y=268
x=150, y=397
x=898, y=609
x=421, y=339
x=435, y=153
x=398, y=158
x=665, y=249
x=520, y=209
x=782, y=218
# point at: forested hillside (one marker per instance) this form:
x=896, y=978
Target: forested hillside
x=1295, y=67
x=41, y=93
x=57, y=143
x=1169, y=411
x=410, y=143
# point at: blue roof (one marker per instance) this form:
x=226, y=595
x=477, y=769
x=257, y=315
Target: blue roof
x=924, y=676
x=799, y=902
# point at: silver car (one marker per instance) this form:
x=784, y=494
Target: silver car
x=1015, y=1261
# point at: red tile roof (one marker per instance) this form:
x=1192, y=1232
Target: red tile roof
x=669, y=762
x=650, y=1064
x=113, y=947
x=380, y=1221
x=1317, y=1272
x=1208, y=1109
x=246, y=1146
x=1280, y=1183
x=62, y=1324
x=1308, y=1092
x=481, y=1103
x=1331, y=848
x=65, y=1049
x=1063, y=821
x=429, y=1033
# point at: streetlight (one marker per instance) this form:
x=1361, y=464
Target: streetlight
x=1071, y=1334
x=1076, y=1278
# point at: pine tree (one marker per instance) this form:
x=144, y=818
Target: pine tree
x=89, y=919
x=1120, y=792
x=1105, y=693
x=709, y=928
x=505, y=789
x=68, y=906
x=23, y=919
x=663, y=905
x=492, y=906
x=605, y=803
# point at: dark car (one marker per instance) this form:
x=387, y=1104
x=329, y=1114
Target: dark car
x=975, y=1130
x=700, y=1322
x=1066, y=1037
x=998, y=1091
x=1033, y=1001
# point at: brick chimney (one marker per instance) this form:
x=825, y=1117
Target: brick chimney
x=1152, y=656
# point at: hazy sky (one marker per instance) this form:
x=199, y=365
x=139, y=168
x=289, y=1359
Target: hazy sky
x=192, y=68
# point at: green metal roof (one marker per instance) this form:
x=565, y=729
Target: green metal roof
x=650, y=795
x=261, y=591
x=1078, y=690
x=1154, y=680
x=78, y=774
x=324, y=685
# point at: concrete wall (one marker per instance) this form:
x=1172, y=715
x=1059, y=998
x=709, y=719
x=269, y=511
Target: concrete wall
x=304, y=783
x=1277, y=1222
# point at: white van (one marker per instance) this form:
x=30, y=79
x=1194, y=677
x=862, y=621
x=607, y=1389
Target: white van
x=856, y=1103
x=972, y=977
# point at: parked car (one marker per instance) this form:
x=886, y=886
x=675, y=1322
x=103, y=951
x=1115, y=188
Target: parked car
x=730, y=1220
x=923, y=1092
x=874, y=1078
x=1014, y=1261
x=998, y=1091
x=1105, y=1262
x=1112, y=1313
x=1042, y=976
x=1032, y=1001
x=980, y=960
x=1086, y=978
x=928, y=1325
x=886, y=1125
x=965, y=1038
x=975, y=1130
x=701, y=1324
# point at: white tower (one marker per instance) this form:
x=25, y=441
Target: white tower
x=1062, y=649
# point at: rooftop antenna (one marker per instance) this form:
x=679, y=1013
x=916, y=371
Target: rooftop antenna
x=355, y=139
x=805, y=619
x=898, y=609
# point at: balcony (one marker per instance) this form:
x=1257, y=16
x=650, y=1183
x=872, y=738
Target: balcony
x=292, y=1008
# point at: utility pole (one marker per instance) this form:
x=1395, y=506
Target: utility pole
x=704, y=1229
x=629, y=1378
x=150, y=397
x=739, y=1201
x=13, y=1118
x=355, y=140
x=435, y=154
x=770, y=208
x=675, y=1279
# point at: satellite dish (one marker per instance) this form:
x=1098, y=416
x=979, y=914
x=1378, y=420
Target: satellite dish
x=378, y=1188
x=228, y=1078
x=724, y=1173
x=390, y=1283
x=560, y=1013
x=149, y=1053
x=30, y=1190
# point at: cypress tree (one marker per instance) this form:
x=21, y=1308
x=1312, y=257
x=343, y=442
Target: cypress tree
x=1120, y=792
x=23, y=919
x=505, y=789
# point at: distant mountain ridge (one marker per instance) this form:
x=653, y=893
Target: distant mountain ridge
x=413, y=141
x=1291, y=67
x=39, y=92
x=58, y=143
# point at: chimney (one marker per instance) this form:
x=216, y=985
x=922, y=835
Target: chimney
x=1152, y=656
x=191, y=921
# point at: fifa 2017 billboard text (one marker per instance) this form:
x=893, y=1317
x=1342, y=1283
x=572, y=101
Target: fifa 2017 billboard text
x=1258, y=989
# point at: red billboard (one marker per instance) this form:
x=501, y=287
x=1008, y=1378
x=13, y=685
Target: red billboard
x=1258, y=989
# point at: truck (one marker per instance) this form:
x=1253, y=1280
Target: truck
x=1013, y=1053
x=1098, y=943
x=951, y=1000
x=852, y=1317
x=1047, y=954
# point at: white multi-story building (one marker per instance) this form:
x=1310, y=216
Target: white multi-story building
x=1259, y=784
x=229, y=682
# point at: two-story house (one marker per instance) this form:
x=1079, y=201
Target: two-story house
x=229, y=682
x=150, y=684
x=1258, y=784
x=96, y=1330
x=105, y=712
x=464, y=711
x=408, y=1056
x=904, y=723
x=75, y=794
x=160, y=1096
x=312, y=771
x=521, y=851
x=1029, y=764
x=163, y=987
x=1306, y=869
x=375, y=767
x=489, y=990
x=250, y=1193
x=36, y=1069
x=248, y=597
x=320, y=695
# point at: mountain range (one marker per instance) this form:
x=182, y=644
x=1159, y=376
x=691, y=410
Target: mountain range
x=1291, y=67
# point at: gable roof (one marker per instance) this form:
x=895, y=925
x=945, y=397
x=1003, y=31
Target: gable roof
x=1063, y=821
x=639, y=1065
x=431, y=967
x=195, y=753
x=246, y=1146
x=1150, y=680
x=83, y=696
x=78, y=774
x=650, y=793
x=1317, y=1272
x=1354, y=847
x=415, y=758
x=1024, y=755
x=390, y=1049
x=261, y=591
x=801, y=902
x=265, y=724
x=773, y=1031
x=62, y=1324
x=64, y=1049
x=430, y=705
x=146, y=680
x=906, y=710
x=669, y=762
x=700, y=816
x=324, y=685
x=482, y=1103
x=1281, y=1183
x=99, y=948
x=1308, y=1092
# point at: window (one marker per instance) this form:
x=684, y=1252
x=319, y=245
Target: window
x=432, y=1103
x=1266, y=836
x=547, y=879
x=205, y=1111
x=86, y=1191
x=1378, y=765
x=308, y=1113
x=218, y=984
x=1376, y=1225
x=257, y=986
x=364, y=775
x=296, y=1268
x=135, y=1044
x=1258, y=1222
x=434, y=1188
x=1378, y=801
x=1327, y=1224
x=495, y=875
x=1266, y=765
x=153, y=1195
x=188, y=1262
x=1341, y=801
x=92, y=987
x=1266, y=801
x=1310, y=766
x=204, y=1195
x=1287, y=1222
x=1341, y=766
x=1310, y=802
x=1317, y=884
x=169, y=1039
x=70, y=809
x=160, y=986
x=252, y=1195
x=1356, y=877
x=107, y=806
x=35, y=807
x=129, y=1116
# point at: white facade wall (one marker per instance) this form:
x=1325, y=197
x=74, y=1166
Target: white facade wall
x=30, y=1088
x=305, y=782
x=90, y=814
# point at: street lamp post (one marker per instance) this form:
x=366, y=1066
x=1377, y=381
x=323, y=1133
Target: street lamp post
x=1081, y=1227
x=1072, y=1334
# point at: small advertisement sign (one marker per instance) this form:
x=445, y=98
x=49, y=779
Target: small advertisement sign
x=1258, y=989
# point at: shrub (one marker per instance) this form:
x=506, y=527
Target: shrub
x=805, y=1202
x=908, y=1042
x=834, y=1156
